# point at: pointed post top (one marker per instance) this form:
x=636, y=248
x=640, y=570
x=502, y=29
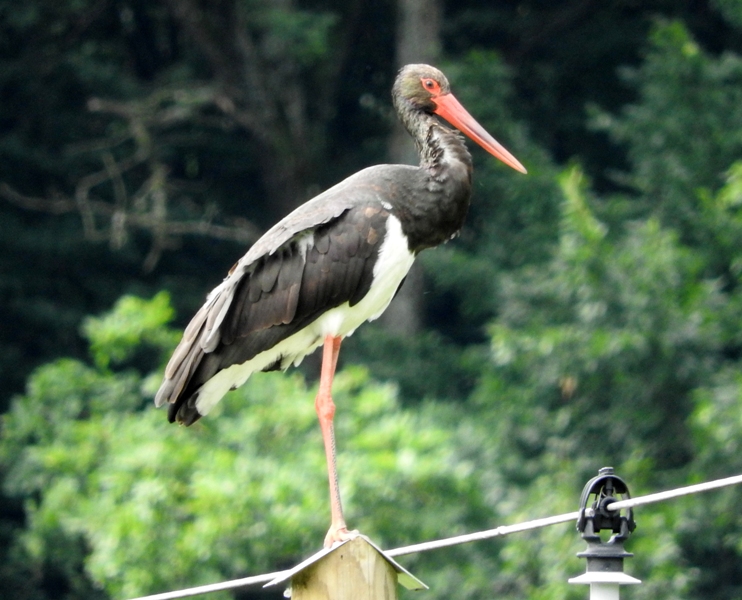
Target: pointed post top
x=355, y=569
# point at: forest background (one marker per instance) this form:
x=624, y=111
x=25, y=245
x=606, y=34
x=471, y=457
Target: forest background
x=588, y=315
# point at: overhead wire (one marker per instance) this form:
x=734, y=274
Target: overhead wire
x=676, y=493
x=463, y=539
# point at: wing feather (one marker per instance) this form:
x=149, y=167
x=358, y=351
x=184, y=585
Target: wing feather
x=271, y=297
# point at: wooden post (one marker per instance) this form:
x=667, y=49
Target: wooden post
x=355, y=571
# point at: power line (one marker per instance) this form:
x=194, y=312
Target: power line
x=215, y=587
x=484, y=535
x=676, y=493
x=463, y=539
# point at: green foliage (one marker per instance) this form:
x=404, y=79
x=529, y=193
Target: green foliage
x=305, y=34
x=569, y=327
x=160, y=506
x=731, y=10
x=599, y=357
x=132, y=323
x=610, y=353
x=686, y=128
x=513, y=218
x=594, y=320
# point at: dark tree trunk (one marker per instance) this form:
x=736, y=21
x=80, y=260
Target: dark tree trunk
x=418, y=41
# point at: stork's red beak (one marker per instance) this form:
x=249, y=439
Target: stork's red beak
x=450, y=109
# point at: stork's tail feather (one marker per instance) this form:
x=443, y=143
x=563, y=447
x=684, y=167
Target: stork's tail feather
x=185, y=412
x=177, y=388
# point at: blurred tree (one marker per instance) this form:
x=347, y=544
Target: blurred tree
x=575, y=351
x=418, y=40
x=603, y=357
x=201, y=112
x=614, y=306
x=159, y=507
x=685, y=130
x=622, y=332
x=259, y=60
x=146, y=123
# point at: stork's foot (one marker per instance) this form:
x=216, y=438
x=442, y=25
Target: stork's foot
x=339, y=534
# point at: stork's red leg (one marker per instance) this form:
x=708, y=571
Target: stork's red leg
x=326, y=411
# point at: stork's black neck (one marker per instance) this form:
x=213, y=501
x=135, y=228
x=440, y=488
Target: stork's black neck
x=436, y=208
x=438, y=146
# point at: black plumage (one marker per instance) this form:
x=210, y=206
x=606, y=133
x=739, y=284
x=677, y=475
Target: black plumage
x=283, y=291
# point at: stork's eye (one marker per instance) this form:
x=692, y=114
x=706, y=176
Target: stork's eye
x=431, y=85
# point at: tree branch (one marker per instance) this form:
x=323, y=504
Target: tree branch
x=165, y=233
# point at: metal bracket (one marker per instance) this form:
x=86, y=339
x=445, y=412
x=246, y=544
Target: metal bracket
x=604, y=559
x=597, y=517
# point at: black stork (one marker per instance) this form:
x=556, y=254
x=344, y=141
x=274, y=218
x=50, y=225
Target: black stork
x=333, y=263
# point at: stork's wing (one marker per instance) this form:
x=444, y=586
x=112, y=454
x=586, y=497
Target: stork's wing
x=269, y=296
